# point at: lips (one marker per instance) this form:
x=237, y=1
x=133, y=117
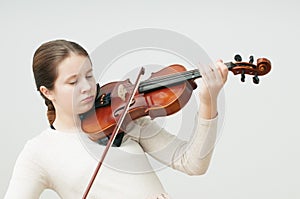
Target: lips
x=88, y=99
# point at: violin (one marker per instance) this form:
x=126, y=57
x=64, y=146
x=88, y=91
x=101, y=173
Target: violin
x=164, y=93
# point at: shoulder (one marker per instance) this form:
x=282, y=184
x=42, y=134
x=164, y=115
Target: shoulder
x=34, y=145
x=30, y=155
x=38, y=152
x=28, y=169
x=39, y=139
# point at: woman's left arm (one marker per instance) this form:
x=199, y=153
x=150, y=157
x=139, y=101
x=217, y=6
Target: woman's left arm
x=193, y=156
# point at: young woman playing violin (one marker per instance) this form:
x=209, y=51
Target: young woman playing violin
x=56, y=159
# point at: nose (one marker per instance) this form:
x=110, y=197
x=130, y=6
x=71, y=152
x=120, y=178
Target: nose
x=85, y=86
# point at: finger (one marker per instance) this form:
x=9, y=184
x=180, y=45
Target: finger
x=223, y=71
x=217, y=75
x=210, y=74
x=220, y=60
x=203, y=69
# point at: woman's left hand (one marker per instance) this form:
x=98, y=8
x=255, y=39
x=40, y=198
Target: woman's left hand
x=213, y=79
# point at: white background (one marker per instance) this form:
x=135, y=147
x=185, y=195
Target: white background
x=257, y=154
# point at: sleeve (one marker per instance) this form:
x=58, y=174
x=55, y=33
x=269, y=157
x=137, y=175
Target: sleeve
x=191, y=157
x=28, y=179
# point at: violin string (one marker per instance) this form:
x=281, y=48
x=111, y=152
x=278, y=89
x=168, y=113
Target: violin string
x=177, y=76
x=166, y=78
x=186, y=74
x=172, y=76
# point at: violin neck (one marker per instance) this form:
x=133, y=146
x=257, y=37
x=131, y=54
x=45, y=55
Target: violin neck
x=173, y=79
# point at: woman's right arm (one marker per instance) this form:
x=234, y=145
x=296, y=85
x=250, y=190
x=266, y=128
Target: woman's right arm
x=28, y=178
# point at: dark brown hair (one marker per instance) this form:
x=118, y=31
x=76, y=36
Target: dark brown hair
x=45, y=61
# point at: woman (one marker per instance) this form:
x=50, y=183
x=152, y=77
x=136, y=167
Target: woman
x=60, y=160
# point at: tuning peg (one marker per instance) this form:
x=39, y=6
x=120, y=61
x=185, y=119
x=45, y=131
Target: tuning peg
x=251, y=59
x=243, y=76
x=255, y=79
x=238, y=58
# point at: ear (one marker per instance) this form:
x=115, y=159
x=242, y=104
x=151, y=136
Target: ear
x=47, y=93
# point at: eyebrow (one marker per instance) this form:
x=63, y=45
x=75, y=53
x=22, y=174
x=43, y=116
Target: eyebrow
x=90, y=70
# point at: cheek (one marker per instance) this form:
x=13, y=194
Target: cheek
x=94, y=88
x=67, y=97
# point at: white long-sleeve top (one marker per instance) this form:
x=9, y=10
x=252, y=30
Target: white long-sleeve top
x=64, y=162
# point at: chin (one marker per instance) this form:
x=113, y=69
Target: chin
x=84, y=109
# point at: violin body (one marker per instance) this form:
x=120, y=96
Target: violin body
x=155, y=102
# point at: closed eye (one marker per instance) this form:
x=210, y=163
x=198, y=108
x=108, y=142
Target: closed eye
x=73, y=81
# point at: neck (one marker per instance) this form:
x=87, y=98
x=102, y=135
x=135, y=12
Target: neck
x=172, y=79
x=67, y=123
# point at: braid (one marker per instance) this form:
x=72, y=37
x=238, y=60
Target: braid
x=50, y=111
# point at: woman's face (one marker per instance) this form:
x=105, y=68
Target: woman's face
x=75, y=87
